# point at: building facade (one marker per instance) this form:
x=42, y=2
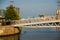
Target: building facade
x=58, y=14
x=2, y=12
x=18, y=10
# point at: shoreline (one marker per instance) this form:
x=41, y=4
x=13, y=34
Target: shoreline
x=8, y=31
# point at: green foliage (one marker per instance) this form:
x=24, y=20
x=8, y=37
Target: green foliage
x=11, y=13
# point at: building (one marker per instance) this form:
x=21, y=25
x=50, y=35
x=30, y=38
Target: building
x=58, y=9
x=18, y=10
x=2, y=12
x=58, y=14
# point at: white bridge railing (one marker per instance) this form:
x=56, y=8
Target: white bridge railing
x=36, y=26
x=41, y=23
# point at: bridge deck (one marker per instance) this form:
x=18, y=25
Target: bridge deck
x=36, y=26
x=41, y=22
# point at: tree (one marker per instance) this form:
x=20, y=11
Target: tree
x=11, y=13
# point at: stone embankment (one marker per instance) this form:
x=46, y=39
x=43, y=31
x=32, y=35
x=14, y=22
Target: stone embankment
x=8, y=30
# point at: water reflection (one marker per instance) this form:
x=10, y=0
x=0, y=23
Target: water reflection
x=40, y=34
x=12, y=37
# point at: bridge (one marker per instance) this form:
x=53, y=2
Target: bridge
x=51, y=23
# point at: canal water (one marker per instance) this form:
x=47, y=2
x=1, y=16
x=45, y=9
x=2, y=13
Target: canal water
x=35, y=34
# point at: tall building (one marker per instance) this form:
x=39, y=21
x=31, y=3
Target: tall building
x=58, y=14
x=58, y=10
x=18, y=10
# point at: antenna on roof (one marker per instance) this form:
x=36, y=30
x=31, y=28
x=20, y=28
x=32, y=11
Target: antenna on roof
x=11, y=2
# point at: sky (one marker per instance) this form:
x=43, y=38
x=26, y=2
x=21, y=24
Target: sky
x=32, y=8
